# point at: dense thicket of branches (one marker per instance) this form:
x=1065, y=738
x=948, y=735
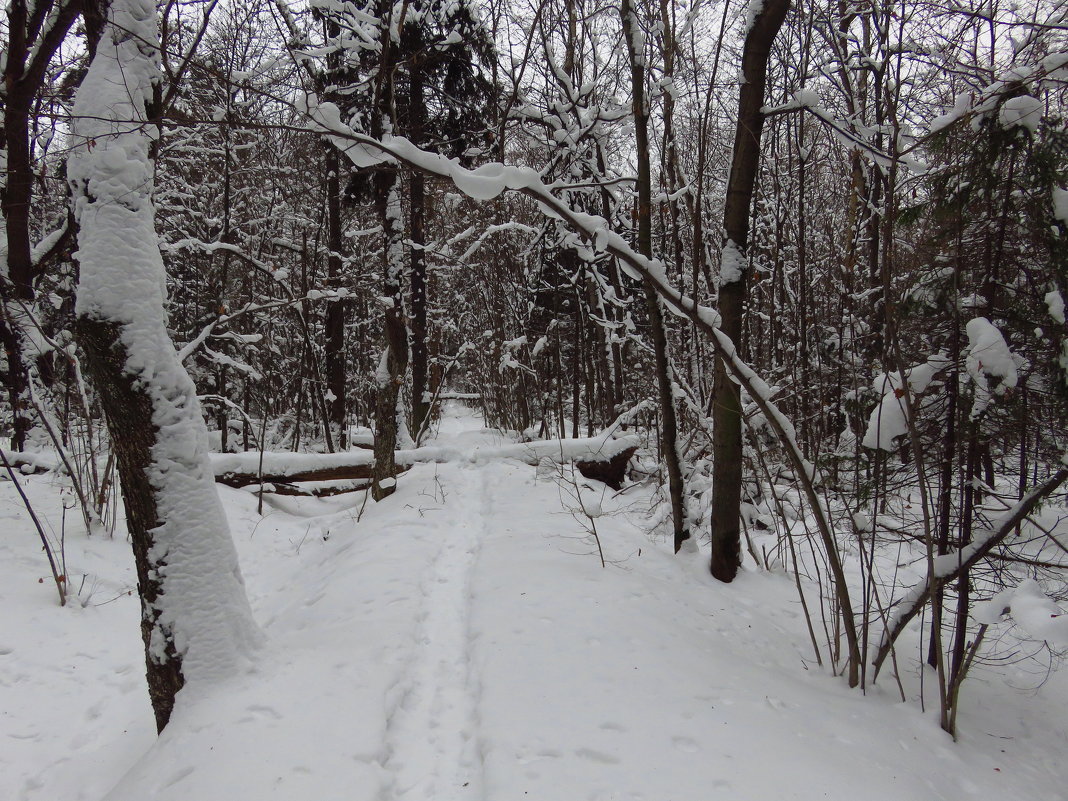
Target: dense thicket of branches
x=899, y=285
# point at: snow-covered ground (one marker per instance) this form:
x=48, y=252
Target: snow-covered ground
x=461, y=641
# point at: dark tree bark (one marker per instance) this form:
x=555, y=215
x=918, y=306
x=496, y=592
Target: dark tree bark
x=727, y=407
x=334, y=324
x=669, y=424
x=128, y=413
x=417, y=212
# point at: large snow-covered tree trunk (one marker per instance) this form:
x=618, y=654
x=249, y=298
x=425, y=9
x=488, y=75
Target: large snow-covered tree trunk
x=197, y=625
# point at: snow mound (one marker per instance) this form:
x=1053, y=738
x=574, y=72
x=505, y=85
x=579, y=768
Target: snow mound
x=1021, y=112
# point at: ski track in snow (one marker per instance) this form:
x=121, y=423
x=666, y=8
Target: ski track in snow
x=430, y=747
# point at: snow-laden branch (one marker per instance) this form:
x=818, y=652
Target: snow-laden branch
x=949, y=567
x=1030, y=609
x=848, y=132
x=603, y=446
x=1053, y=68
x=488, y=232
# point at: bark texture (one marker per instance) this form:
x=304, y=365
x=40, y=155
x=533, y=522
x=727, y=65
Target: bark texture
x=128, y=412
x=727, y=406
x=669, y=429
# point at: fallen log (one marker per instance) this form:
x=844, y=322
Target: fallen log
x=317, y=489
x=610, y=472
x=600, y=458
x=30, y=462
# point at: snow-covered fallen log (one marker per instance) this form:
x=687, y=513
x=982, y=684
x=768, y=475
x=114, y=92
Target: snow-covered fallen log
x=30, y=461
x=601, y=458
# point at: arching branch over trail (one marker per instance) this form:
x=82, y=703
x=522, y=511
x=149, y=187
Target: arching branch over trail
x=491, y=180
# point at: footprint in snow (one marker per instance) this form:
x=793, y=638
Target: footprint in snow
x=685, y=744
x=597, y=756
x=266, y=711
x=546, y=753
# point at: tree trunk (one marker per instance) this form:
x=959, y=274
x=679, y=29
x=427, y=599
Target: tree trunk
x=334, y=351
x=128, y=411
x=669, y=427
x=420, y=388
x=394, y=362
x=417, y=211
x=17, y=194
x=196, y=622
x=727, y=407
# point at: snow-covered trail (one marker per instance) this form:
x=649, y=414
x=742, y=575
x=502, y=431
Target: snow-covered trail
x=367, y=688
x=431, y=731
x=460, y=641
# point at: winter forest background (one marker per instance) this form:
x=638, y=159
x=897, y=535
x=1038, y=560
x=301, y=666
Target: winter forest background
x=793, y=274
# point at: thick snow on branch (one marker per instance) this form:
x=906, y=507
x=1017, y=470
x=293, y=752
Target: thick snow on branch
x=1030, y=608
x=1055, y=304
x=753, y=10
x=948, y=567
x=990, y=363
x=889, y=420
x=1060, y=204
x=30, y=461
x=732, y=264
x=1024, y=111
x=491, y=180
